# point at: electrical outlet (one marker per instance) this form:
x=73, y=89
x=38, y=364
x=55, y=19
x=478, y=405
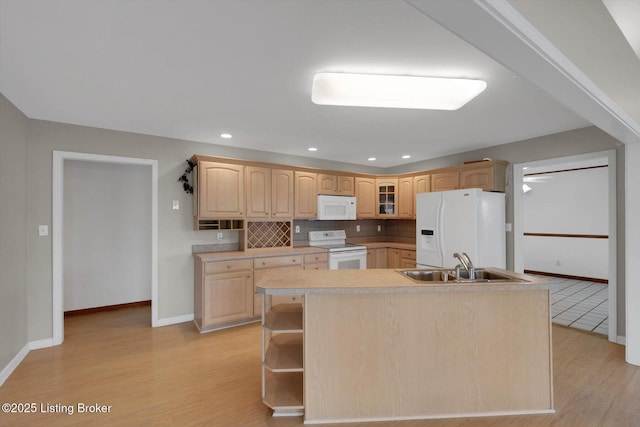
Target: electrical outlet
x=43, y=230
x=358, y=228
x=509, y=227
x=220, y=236
x=297, y=228
x=379, y=228
x=176, y=205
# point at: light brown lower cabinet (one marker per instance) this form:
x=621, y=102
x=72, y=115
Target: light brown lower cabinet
x=281, y=263
x=223, y=294
x=407, y=258
x=377, y=258
x=393, y=258
x=282, y=359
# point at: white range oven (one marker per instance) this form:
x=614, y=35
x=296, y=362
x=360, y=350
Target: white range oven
x=342, y=255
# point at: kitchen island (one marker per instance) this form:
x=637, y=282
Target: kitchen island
x=374, y=345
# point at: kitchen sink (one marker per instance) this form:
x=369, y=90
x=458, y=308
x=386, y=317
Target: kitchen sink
x=444, y=275
x=429, y=275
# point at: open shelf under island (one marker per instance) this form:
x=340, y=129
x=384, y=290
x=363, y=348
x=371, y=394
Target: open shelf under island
x=378, y=346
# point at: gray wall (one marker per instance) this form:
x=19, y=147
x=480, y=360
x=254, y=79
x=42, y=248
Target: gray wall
x=13, y=231
x=175, y=228
x=580, y=141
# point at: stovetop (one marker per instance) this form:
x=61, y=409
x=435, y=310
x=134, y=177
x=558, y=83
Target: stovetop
x=332, y=240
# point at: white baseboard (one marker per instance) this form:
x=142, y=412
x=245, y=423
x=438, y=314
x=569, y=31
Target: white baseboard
x=13, y=364
x=47, y=342
x=621, y=340
x=174, y=320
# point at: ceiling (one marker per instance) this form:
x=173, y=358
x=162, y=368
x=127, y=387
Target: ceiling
x=195, y=69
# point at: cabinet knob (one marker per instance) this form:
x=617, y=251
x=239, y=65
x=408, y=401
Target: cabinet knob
x=228, y=266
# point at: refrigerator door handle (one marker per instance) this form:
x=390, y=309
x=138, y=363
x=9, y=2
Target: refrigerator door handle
x=440, y=236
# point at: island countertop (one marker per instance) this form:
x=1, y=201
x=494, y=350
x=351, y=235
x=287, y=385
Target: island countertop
x=378, y=280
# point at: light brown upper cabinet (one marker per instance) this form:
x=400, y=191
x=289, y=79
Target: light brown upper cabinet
x=421, y=184
x=341, y=185
x=387, y=191
x=365, y=197
x=306, y=195
x=269, y=192
x=444, y=181
x=220, y=190
x=406, y=197
x=490, y=176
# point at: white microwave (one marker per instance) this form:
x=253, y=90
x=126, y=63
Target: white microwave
x=336, y=207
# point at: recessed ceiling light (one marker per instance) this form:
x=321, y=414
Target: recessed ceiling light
x=371, y=90
x=406, y=156
x=225, y=135
x=312, y=149
x=371, y=159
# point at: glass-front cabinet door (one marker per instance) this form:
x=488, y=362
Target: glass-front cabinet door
x=387, y=197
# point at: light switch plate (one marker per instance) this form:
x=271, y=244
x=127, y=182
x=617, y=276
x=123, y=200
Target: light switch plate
x=509, y=227
x=358, y=228
x=176, y=205
x=43, y=230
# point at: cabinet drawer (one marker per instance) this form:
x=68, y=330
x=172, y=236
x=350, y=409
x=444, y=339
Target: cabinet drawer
x=316, y=266
x=227, y=266
x=313, y=258
x=277, y=261
x=286, y=299
x=407, y=254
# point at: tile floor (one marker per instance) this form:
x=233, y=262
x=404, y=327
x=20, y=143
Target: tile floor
x=580, y=304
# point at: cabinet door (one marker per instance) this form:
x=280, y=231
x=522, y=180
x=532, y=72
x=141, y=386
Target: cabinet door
x=346, y=185
x=393, y=258
x=406, y=198
x=477, y=178
x=227, y=298
x=490, y=177
x=422, y=184
x=258, y=183
x=281, y=193
x=444, y=181
x=365, y=197
x=221, y=190
x=407, y=263
x=381, y=258
x=377, y=258
x=306, y=196
x=387, y=189
x=371, y=258
x=327, y=184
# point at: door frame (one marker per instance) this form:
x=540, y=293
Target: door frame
x=59, y=158
x=518, y=236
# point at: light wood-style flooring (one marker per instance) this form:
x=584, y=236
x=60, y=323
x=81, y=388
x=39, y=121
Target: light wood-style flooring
x=174, y=376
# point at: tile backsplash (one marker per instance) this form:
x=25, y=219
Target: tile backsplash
x=390, y=230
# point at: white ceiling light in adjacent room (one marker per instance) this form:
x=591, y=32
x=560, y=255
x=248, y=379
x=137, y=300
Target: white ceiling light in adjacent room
x=225, y=135
x=371, y=90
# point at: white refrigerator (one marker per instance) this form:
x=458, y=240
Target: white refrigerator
x=471, y=221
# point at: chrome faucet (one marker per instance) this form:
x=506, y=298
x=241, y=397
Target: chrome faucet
x=466, y=263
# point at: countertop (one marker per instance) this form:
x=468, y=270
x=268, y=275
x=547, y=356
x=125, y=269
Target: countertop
x=376, y=280
x=255, y=253
x=299, y=250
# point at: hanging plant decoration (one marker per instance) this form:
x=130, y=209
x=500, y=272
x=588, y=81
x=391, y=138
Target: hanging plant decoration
x=184, y=179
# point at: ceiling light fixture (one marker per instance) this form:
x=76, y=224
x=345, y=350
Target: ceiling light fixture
x=225, y=135
x=371, y=159
x=312, y=149
x=371, y=90
x=406, y=156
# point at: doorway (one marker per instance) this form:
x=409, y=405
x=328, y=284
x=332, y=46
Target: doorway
x=101, y=166
x=608, y=246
